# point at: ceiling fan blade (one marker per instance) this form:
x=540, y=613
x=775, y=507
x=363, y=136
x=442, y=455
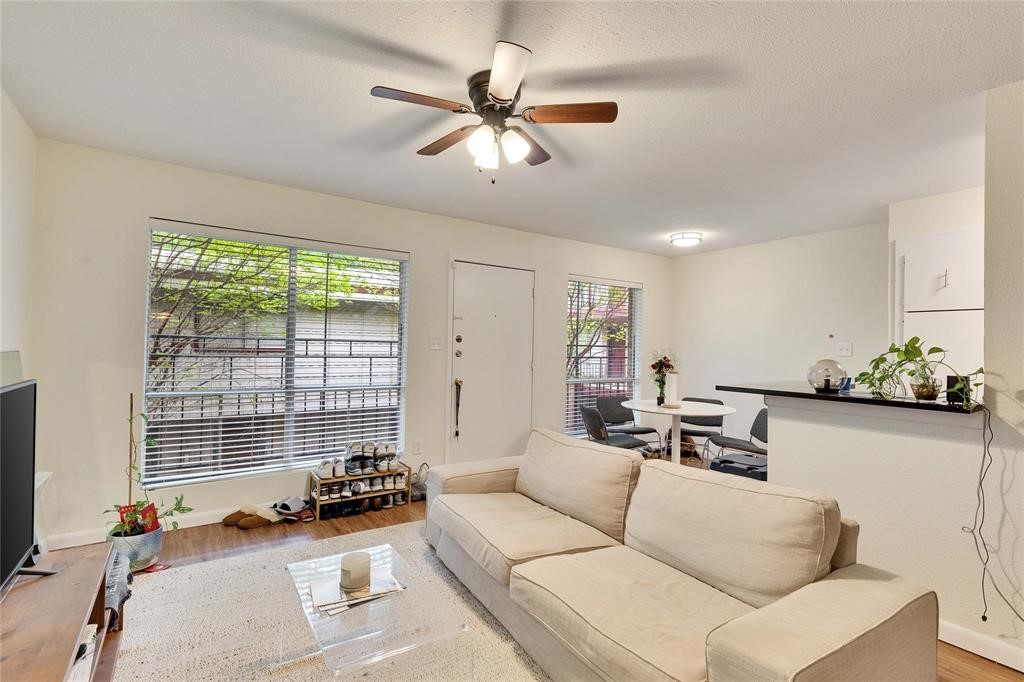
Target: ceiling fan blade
x=589, y=112
x=449, y=140
x=414, y=98
x=507, y=72
x=537, y=154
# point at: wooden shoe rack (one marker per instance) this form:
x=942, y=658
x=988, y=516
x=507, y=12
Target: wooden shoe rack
x=317, y=487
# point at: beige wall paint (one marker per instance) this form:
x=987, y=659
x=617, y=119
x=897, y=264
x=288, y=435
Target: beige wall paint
x=1004, y=351
x=17, y=177
x=764, y=312
x=961, y=210
x=90, y=278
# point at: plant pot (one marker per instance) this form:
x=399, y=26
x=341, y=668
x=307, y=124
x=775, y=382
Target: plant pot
x=926, y=390
x=661, y=400
x=141, y=550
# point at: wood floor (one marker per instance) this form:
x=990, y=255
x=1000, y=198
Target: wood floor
x=206, y=543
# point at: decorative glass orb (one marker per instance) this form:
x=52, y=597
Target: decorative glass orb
x=826, y=376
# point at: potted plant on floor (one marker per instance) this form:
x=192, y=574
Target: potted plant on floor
x=138, y=535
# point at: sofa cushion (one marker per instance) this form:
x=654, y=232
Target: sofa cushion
x=755, y=541
x=631, y=617
x=500, y=530
x=587, y=481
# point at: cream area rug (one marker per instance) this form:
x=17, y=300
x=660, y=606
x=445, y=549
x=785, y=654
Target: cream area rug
x=240, y=619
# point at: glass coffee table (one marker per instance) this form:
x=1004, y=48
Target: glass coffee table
x=376, y=630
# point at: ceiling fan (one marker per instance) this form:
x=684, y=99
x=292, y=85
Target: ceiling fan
x=494, y=94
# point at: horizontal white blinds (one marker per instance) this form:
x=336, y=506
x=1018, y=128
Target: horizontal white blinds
x=602, y=327
x=263, y=357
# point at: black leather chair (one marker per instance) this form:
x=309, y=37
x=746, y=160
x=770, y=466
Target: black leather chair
x=619, y=419
x=712, y=425
x=597, y=431
x=758, y=430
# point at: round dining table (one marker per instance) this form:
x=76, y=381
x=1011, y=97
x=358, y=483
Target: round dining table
x=687, y=408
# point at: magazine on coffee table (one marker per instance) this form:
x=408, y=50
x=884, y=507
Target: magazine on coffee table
x=329, y=597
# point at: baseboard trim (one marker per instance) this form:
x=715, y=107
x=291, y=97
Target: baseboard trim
x=983, y=645
x=91, y=536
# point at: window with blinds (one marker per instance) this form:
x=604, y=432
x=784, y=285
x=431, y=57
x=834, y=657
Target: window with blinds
x=602, y=327
x=264, y=357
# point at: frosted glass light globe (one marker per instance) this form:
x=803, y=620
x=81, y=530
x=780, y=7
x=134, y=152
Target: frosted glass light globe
x=514, y=146
x=481, y=141
x=489, y=158
x=826, y=376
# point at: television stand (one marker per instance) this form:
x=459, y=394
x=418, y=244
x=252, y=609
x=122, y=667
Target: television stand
x=44, y=618
x=35, y=571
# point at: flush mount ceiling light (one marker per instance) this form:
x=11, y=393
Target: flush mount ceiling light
x=686, y=239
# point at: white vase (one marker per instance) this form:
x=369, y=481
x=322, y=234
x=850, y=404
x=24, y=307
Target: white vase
x=672, y=387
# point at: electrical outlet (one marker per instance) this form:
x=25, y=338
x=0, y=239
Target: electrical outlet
x=844, y=349
x=436, y=343
x=417, y=446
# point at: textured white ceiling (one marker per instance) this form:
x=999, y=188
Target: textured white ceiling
x=748, y=122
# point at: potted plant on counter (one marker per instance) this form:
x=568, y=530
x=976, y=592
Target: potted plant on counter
x=138, y=534
x=884, y=377
x=660, y=369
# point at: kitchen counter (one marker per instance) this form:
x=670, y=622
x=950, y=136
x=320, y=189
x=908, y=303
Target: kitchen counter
x=801, y=389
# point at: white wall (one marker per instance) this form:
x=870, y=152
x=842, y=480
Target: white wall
x=1004, y=353
x=92, y=216
x=17, y=177
x=960, y=210
x=764, y=312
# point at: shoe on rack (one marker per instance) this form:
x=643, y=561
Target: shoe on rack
x=399, y=498
x=389, y=483
x=388, y=502
x=339, y=467
x=335, y=491
x=400, y=481
x=355, y=448
x=368, y=467
x=391, y=449
x=376, y=504
x=392, y=462
x=353, y=467
x=325, y=469
x=346, y=489
x=368, y=449
x=359, y=488
x=381, y=465
x=376, y=484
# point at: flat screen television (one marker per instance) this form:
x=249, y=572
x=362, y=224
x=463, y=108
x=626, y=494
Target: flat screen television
x=17, y=476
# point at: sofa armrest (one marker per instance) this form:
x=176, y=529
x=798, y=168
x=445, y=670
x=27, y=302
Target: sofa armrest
x=496, y=475
x=858, y=623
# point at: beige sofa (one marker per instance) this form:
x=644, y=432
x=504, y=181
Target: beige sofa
x=606, y=567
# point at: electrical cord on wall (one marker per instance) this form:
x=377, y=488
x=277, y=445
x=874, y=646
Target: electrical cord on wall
x=977, y=530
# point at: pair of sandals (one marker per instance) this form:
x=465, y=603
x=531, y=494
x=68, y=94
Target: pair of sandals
x=250, y=516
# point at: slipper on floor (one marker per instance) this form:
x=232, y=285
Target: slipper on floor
x=290, y=505
x=233, y=519
x=253, y=521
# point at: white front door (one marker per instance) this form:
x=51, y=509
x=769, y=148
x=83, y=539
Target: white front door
x=492, y=357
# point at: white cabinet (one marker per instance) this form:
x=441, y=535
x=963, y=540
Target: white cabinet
x=943, y=271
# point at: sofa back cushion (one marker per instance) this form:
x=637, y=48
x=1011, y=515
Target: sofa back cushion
x=590, y=482
x=754, y=541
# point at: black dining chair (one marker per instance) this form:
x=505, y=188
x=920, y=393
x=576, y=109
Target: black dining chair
x=712, y=425
x=619, y=419
x=758, y=431
x=597, y=431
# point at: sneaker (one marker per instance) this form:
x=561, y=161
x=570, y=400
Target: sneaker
x=353, y=467
x=358, y=487
x=325, y=469
x=355, y=449
x=400, y=481
x=381, y=465
x=368, y=449
x=368, y=467
x=392, y=449
x=376, y=484
x=388, y=502
x=399, y=499
x=335, y=491
x=392, y=463
x=346, y=489
x=339, y=467
x=389, y=483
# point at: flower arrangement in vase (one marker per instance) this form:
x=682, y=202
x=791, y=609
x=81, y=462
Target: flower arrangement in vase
x=661, y=367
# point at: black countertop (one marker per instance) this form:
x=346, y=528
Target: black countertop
x=801, y=389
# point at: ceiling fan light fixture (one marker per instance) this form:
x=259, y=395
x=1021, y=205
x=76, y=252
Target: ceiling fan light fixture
x=489, y=159
x=686, y=239
x=514, y=146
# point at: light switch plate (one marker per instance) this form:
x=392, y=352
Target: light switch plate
x=844, y=349
x=436, y=343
